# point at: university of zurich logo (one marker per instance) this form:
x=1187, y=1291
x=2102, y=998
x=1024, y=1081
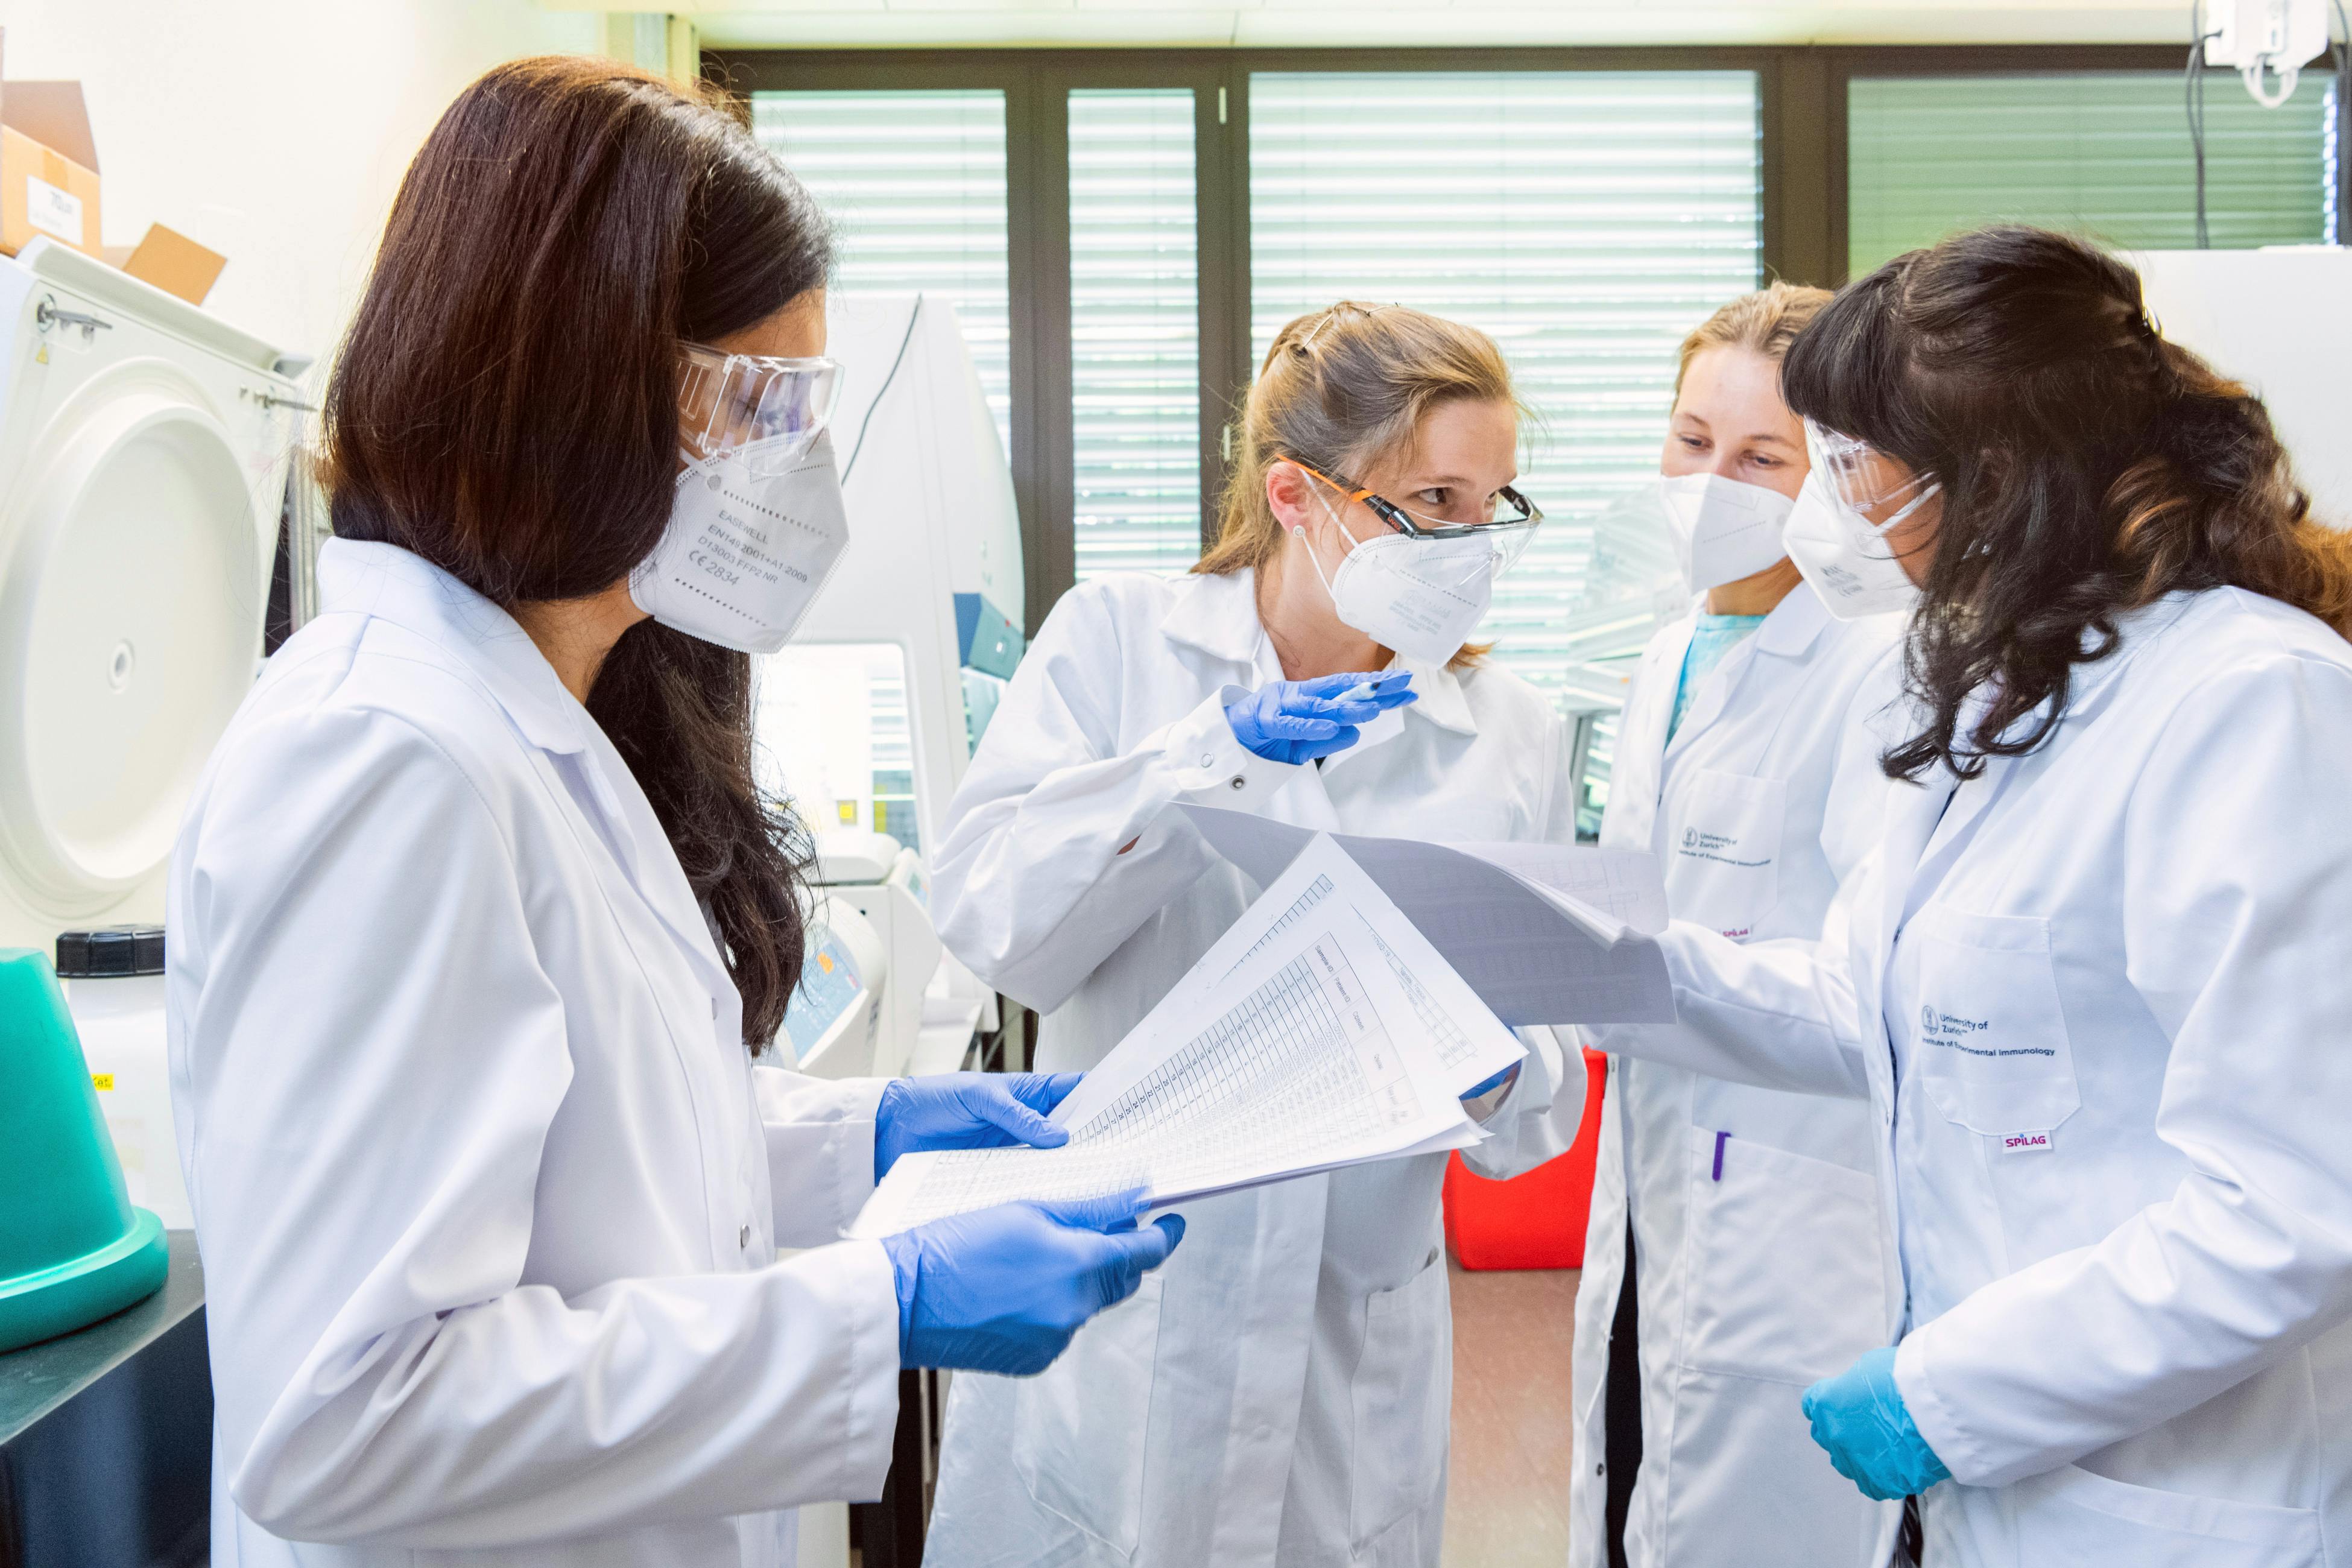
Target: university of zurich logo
x=1690, y=837
x=1927, y=1019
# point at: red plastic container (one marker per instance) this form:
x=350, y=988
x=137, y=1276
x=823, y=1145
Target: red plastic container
x=1535, y=1221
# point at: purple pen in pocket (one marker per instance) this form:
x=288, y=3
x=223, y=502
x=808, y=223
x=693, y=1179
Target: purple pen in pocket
x=1720, y=1139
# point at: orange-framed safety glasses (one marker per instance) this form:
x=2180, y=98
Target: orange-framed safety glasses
x=1503, y=523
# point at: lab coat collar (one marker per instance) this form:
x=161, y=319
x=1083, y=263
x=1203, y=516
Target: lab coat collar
x=1217, y=613
x=1794, y=624
x=404, y=588
x=1918, y=824
x=1442, y=701
x=2091, y=683
x=359, y=577
x=1789, y=630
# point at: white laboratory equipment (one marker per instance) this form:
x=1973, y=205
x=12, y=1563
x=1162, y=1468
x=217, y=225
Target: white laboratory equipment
x=143, y=459
x=930, y=498
x=144, y=446
x=866, y=721
x=989, y=643
x=1631, y=586
x=834, y=1022
x=2267, y=42
x=885, y=882
x=113, y=982
x=2276, y=320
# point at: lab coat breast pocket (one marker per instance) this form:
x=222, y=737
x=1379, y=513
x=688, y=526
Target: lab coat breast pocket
x=1723, y=856
x=2072, y=1515
x=1401, y=1399
x=1804, y=1232
x=1078, y=1426
x=1992, y=1050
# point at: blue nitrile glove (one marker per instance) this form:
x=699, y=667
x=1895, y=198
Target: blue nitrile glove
x=1299, y=721
x=1858, y=1416
x=1002, y=1290
x=968, y=1111
x=1492, y=1084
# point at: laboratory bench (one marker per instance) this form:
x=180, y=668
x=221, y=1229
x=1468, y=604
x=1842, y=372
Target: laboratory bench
x=106, y=1436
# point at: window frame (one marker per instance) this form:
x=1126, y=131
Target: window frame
x=1802, y=117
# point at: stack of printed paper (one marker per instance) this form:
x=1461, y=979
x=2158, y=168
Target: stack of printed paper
x=1324, y=1028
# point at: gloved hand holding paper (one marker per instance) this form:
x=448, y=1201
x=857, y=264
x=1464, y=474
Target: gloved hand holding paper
x=1321, y=1030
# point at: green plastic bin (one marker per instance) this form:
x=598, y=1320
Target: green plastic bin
x=72, y=1247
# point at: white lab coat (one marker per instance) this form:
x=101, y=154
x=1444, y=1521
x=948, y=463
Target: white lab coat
x=487, y=1188
x=1279, y=1392
x=2097, y=998
x=1755, y=1211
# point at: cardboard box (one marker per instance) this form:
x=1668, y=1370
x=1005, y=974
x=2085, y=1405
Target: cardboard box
x=49, y=168
x=174, y=263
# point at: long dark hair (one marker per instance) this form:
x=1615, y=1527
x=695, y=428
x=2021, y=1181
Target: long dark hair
x=506, y=406
x=2089, y=467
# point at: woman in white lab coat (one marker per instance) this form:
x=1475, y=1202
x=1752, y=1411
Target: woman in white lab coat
x=1733, y=1249
x=477, y=911
x=2095, y=990
x=1284, y=1399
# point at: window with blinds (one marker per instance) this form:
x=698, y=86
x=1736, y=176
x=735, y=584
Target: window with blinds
x=1586, y=219
x=2105, y=153
x=1135, y=360
x=916, y=181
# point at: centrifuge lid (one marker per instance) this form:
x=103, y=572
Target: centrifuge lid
x=132, y=591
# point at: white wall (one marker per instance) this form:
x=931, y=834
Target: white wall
x=273, y=131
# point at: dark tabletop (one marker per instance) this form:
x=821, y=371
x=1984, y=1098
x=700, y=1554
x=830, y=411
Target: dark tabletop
x=36, y=1380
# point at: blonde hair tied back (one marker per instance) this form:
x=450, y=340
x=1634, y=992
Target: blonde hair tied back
x=1339, y=388
x=1764, y=322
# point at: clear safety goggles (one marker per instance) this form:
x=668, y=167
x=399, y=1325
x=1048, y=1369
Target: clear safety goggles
x=779, y=407
x=1880, y=489
x=1492, y=532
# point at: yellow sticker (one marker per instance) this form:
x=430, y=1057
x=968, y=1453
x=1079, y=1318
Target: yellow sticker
x=849, y=812
x=101, y=1081
x=824, y=962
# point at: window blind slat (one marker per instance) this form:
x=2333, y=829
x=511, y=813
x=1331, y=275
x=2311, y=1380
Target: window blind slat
x=1134, y=332
x=1587, y=220
x=2105, y=153
x=915, y=180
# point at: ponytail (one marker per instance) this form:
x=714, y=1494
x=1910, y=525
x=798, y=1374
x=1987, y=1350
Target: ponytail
x=1340, y=387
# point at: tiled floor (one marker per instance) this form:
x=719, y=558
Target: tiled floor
x=1507, y=1505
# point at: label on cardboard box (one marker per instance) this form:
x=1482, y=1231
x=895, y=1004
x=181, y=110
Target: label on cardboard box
x=53, y=211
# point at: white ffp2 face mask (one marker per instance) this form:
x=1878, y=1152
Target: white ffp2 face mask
x=1722, y=530
x=1845, y=557
x=752, y=539
x=1420, y=597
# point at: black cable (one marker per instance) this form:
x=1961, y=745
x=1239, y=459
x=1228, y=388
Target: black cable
x=2193, y=97
x=2192, y=92
x=865, y=424
x=2342, y=48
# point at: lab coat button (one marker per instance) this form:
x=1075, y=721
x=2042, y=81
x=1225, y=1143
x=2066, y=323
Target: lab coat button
x=1240, y=783
x=743, y=1236
x=1208, y=759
